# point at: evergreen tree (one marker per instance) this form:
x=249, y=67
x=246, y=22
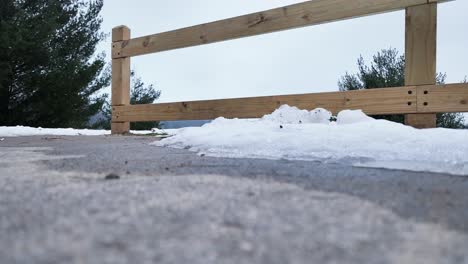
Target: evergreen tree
x=140, y=94
x=49, y=71
x=387, y=69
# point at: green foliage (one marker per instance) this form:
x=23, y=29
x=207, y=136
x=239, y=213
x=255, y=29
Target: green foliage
x=387, y=69
x=49, y=71
x=451, y=120
x=140, y=94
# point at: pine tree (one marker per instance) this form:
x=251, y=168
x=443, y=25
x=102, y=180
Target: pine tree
x=140, y=94
x=49, y=70
x=387, y=69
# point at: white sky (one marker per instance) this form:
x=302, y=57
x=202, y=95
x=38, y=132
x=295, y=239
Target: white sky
x=303, y=60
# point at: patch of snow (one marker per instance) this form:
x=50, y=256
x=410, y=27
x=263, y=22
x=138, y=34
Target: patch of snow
x=19, y=131
x=155, y=131
x=352, y=117
x=354, y=139
x=163, y=131
x=293, y=115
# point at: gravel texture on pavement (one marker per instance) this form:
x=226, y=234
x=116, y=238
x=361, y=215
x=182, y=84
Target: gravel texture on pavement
x=120, y=200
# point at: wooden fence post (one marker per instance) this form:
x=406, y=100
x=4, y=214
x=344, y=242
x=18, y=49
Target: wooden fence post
x=120, y=80
x=420, y=54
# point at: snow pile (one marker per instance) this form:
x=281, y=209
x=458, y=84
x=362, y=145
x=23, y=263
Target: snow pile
x=290, y=133
x=352, y=116
x=292, y=115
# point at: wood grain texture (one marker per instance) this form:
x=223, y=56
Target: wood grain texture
x=443, y=98
x=120, y=128
x=421, y=120
x=420, y=54
x=120, y=80
x=120, y=33
x=401, y=100
x=421, y=44
x=375, y=101
x=294, y=16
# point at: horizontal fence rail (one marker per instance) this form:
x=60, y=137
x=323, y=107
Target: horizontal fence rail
x=419, y=100
x=402, y=100
x=294, y=16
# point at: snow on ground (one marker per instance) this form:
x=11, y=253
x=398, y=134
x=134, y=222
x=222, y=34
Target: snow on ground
x=19, y=131
x=290, y=133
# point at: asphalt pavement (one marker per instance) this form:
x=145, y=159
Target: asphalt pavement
x=121, y=200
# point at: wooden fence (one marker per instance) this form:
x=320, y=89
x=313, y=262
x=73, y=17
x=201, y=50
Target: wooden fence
x=419, y=100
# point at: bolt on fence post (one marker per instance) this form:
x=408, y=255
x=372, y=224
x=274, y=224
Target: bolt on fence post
x=420, y=55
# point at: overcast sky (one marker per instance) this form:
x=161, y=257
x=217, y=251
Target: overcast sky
x=302, y=60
